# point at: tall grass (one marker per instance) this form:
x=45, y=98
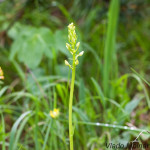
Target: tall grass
x=110, y=58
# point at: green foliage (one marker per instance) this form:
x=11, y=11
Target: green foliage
x=14, y=138
x=30, y=42
x=110, y=46
x=111, y=94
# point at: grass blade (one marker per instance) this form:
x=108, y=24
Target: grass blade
x=109, y=50
x=20, y=131
x=14, y=129
x=3, y=132
x=46, y=136
x=99, y=91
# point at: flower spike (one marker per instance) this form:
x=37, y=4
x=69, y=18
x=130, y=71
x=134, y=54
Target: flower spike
x=73, y=48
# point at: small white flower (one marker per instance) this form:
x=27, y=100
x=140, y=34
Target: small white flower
x=77, y=45
x=66, y=63
x=67, y=46
x=81, y=53
x=71, y=26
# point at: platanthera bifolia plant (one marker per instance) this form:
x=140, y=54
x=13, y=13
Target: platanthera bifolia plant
x=73, y=49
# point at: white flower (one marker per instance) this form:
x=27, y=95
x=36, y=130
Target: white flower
x=71, y=26
x=66, y=63
x=68, y=46
x=81, y=53
x=77, y=45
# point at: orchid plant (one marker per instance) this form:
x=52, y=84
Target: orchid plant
x=73, y=47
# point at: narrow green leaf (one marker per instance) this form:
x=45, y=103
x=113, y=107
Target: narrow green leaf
x=110, y=44
x=14, y=129
x=99, y=91
x=3, y=133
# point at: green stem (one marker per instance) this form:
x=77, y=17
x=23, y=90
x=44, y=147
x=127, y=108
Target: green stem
x=71, y=132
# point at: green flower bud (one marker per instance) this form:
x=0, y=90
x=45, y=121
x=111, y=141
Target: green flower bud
x=72, y=37
x=71, y=27
x=73, y=46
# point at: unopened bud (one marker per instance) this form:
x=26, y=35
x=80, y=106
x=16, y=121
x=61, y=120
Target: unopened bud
x=68, y=46
x=77, y=45
x=71, y=26
x=81, y=53
x=66, y=63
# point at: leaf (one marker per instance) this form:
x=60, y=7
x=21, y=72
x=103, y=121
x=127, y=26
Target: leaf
x=133, y=104
x=82, y=91
x=30, y=44
x=3, y=90
x=99, y=91
x=14, y=129
x=32, y=51
x=110, y=46
x=3, y=132
x=15, y=47
x=48, y=38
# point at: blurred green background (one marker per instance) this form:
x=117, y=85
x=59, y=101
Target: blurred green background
x=112, y=78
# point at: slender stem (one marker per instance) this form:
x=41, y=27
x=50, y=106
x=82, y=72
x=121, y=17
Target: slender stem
x=70, y=104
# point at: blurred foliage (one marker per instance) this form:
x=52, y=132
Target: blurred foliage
x=33, y=34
